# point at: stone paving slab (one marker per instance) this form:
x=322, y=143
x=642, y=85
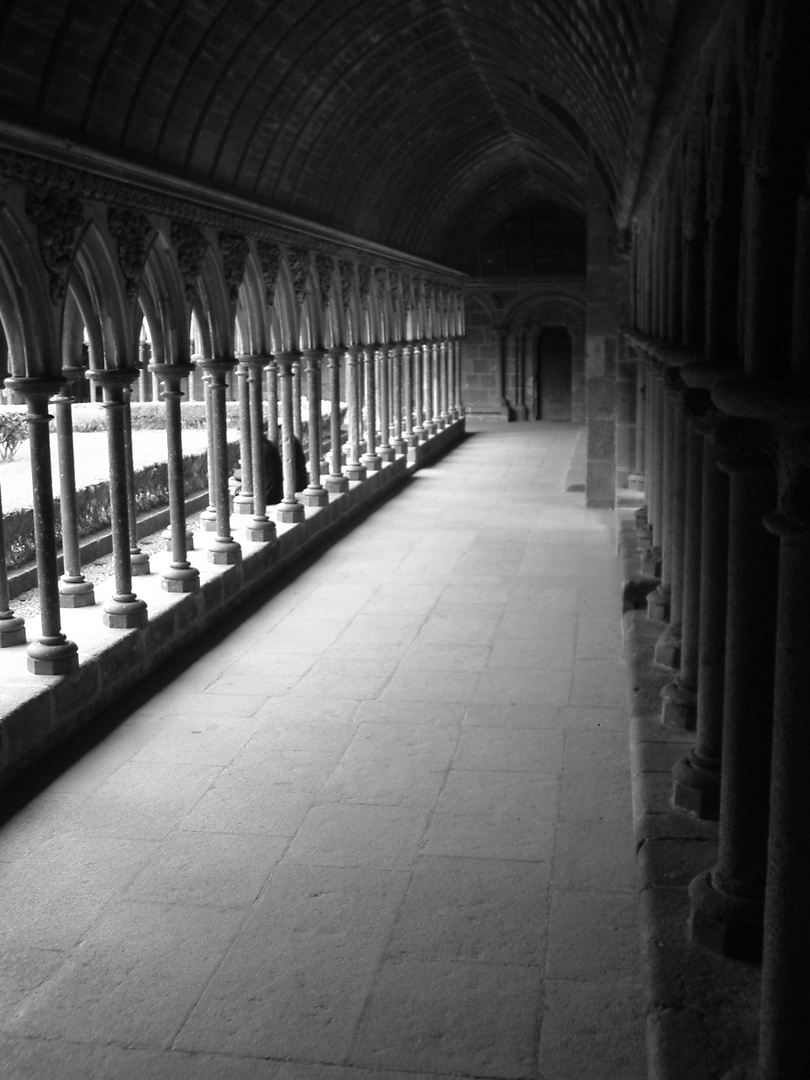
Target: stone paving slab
x=351, y=839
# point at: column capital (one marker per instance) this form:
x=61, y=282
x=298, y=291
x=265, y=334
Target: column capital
x=33, y=386
x=113, y=378
x=744, y=446
x=285, y=358
x=216, y=365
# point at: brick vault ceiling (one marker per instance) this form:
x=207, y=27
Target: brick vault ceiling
x=416, y=123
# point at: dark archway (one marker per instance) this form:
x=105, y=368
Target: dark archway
x=552, y=374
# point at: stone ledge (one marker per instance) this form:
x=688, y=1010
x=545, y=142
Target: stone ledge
x=701, y=1008
x=38, y=712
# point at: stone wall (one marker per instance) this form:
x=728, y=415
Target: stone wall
x=504, y=320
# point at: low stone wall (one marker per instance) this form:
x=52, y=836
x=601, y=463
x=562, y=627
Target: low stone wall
x=38, y=713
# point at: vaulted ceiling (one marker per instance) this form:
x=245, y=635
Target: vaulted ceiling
x=416, y=123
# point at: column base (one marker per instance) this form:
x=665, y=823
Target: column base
x=355, y=472
x=224, y=552
x=139, y=564
x=12, y=631
x=260, y=530
x=748, y=1071
x=635, y=481
x=129, y=614
x=696, y=789
x=180, y=579
x=386, y=453
x=651, y=562
x=243, y=504
x=53, y=657
x=430, y=429
x=76, y=594
x=372, y=462
x=399, y=446
x=166, y=537
x=658, y=605
x=680, y=707
x=336, y=485
x=668, y=646
x=290, y=512
x=727, y=924
x=208, y=520
x=315, y=496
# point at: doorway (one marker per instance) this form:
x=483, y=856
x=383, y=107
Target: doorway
x=552, y=373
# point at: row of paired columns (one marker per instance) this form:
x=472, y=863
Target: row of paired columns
x=726, y=529
x=396, y=395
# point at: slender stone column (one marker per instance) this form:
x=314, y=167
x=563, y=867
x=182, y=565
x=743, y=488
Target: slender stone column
x=53, y=653
x=208, y=518
x=727, y=901
x=353, y=468
x=385, y=450
x=138, y=560
x=399, y=442
x=12, y=627
x=124, y=610
x=444, y=383
x=436, y=365
x=74, y=590
x=260, y=529
x=180, y=576
x=784, y=1048
x=659, y=599
x=223, y=550
x=335, y=483
x=243, y=500
x=144, y=382
x=419, y=429
x=459, y=386
x=298, y=425
x=651, y=557
x=668, y=646
x=697, y=777
x=371, y=459
x=289, y=509
x=680, y=696
x=271, y=368
x=427, y=373
x=408, y=436
x=636, y=480
x=315, y=494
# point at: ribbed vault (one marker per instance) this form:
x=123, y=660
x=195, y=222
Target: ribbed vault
x=410, y=122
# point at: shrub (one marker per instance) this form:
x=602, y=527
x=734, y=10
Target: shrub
x=13, y=431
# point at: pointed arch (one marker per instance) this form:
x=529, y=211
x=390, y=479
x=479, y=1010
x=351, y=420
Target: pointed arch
x=27, y=315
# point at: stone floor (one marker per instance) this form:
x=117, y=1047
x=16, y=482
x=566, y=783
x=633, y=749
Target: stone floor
x=378, y=828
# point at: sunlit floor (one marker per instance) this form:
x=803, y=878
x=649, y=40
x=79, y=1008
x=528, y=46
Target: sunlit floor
x=380, y=830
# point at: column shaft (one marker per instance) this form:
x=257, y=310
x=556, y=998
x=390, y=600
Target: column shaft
x=74, y=589
x=727, y=900
x=180, y=575
x=315, y=494
x=289, y=509
x=335, y=482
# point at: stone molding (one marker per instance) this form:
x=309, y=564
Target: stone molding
x=72, y=182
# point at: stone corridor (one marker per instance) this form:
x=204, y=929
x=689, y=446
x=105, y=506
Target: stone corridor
x=376, y=827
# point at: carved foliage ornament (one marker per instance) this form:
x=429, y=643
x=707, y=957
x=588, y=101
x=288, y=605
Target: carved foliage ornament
x=270, y=261
x=346, y=271
x=132, y=231
x=364, y=273
x=57, y=218
x=299, y=265
x=323, y=266
x=234, y=248
x=793, y=516
x=189, y=245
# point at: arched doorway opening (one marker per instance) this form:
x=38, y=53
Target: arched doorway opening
x=552, y=374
